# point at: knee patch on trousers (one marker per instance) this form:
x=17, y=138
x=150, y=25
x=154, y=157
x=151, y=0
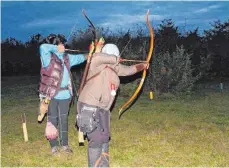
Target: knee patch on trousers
x=99, y=157
x=103, y=160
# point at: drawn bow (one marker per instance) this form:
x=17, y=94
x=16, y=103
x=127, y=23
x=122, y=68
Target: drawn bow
x=121, y=111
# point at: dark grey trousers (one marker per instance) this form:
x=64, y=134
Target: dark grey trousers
x=98, y=139
x=58, y=116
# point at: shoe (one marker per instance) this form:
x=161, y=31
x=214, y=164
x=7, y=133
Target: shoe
x=67, y=149
x=54, y=150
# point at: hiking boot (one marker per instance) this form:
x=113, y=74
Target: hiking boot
x=67, y=149
x=54, y=150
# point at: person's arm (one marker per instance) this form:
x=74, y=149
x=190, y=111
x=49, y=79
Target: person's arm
x=100, y=58
x=45, y=53
x=123, y=70
x=76, y=59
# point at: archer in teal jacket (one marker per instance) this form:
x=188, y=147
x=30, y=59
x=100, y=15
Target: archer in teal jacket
x=53, y=58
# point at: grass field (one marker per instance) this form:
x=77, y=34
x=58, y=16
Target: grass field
x=185, y=131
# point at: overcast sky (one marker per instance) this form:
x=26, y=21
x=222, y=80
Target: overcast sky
x=23, y=19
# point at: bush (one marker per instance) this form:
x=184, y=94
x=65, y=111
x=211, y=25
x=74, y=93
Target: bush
x=172, y=72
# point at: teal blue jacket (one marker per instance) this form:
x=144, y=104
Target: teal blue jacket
x=74, y=59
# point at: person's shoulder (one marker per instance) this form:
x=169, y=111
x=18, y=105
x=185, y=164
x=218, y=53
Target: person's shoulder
x=100, y=54
x=45, y=45
x=42, y=45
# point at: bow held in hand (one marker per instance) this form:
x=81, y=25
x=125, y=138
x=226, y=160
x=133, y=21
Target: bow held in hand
x=125, y=105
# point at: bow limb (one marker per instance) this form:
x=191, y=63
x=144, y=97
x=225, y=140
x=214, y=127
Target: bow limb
x=94, y=29
x=134, y=95
x=144, y=72
x=125, y=47
x=92, y=47
x=73, y=28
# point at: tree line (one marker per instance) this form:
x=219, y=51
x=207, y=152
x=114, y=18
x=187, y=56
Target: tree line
x=181, y=58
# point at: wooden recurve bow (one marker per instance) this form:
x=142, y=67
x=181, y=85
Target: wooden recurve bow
x=123, y=107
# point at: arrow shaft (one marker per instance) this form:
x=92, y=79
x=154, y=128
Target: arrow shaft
x=75, y=50
x=127, y=60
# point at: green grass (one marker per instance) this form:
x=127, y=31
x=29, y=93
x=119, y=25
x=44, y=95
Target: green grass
x=187, y=131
